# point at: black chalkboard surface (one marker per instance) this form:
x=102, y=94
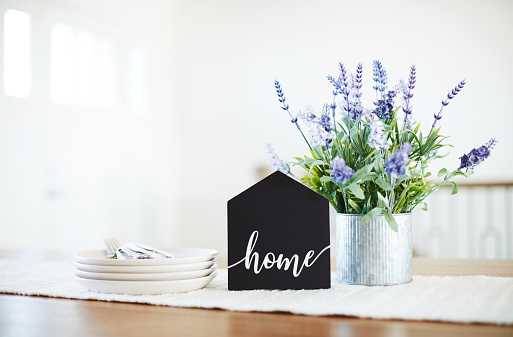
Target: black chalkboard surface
x=278, y=237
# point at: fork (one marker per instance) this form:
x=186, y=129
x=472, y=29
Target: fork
x=114, y=249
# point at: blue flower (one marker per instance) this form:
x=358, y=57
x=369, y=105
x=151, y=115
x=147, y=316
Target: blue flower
x=340, y=171
x=477, y=156
x=359, y=75
x=354, y=104
x=350, y=90
x=396, y=164
x=379, y=76
x=407, y=94
x=450, y=96
x=385, y=106
x=278, y=164
x=318, y=128
x=325, y=119
x=281, y=98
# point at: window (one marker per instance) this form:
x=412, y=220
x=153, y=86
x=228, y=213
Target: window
x=17, y=61
x=62, y=67
x=137, y=80
x=83, y=69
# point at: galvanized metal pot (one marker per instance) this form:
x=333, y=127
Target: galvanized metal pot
x=372, y=253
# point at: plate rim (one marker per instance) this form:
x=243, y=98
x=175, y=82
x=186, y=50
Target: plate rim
x=141, y=269
x=195, y=284
x=212, y=268
x=209, y=254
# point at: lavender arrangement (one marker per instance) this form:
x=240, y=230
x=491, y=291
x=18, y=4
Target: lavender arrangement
x=373, y=161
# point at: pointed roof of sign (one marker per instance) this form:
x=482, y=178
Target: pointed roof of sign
x=277, y=182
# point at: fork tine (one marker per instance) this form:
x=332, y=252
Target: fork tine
x=112, y=247
x=115, y=242
x=108, y=247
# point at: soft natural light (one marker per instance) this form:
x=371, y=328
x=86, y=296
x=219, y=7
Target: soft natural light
x=137, y=81
x=107, y=70
x=62, y=64
x=86, y=69
x=83, y=69
x=17, y=68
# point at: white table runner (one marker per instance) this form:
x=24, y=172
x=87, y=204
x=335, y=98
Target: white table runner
x=456, y=299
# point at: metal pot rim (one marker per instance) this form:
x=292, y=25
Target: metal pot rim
x=362, y=215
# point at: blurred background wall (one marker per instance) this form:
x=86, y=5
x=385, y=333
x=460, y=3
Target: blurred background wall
x=141, y=119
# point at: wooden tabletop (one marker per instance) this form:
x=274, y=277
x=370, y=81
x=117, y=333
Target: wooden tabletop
x=40, y=316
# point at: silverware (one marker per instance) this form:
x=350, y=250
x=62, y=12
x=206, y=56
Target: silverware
x=132, y=250
x=113, y=249
x=140, y=251
x=150, y=249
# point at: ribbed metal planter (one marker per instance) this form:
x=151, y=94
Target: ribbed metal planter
x=372, y=253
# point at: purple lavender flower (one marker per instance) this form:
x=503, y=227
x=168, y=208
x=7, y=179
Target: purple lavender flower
x=379, y=76
x=340, y=171
x=359, y=75
x=396, y=164
x=477, y=156
x=450, y=96
x=354, y=104
x=344, y=87
x=278, y=164
x=407, y=94
x=377, y=137
x=385, y=106
x=325, y=119
x=281, y=98
x=318, y=128
x=337, y=84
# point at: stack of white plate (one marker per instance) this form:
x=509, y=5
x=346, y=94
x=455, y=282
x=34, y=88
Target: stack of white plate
x=191, y=269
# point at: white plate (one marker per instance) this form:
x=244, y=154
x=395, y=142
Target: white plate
x=183, y=255
x=183, y=275
x=166, y=268
x=145, y=287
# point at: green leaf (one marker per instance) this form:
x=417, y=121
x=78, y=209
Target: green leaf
x=391, y=221
x=442, y=156
x=378, y=164
x=325, y=179
x=369, y=177
x=372, y=214
x=454, y=188
x=369, y=155
x=468, y=173
x=342, y=136
x=360, y=174
x=383, y=199
x=403, y=197
x=310, y=161
x=415, y=173
x=319, y=152
x=442, y=172
x=383, y=184
x=315, y=181
x=424, y=207
x=356, y=190
x=354, y=205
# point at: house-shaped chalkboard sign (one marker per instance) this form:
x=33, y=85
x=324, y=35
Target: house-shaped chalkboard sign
x=278, y=237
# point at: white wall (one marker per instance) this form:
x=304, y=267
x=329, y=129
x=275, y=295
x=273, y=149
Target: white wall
x=232, y=51
x=71, y=175
x=215, y=107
